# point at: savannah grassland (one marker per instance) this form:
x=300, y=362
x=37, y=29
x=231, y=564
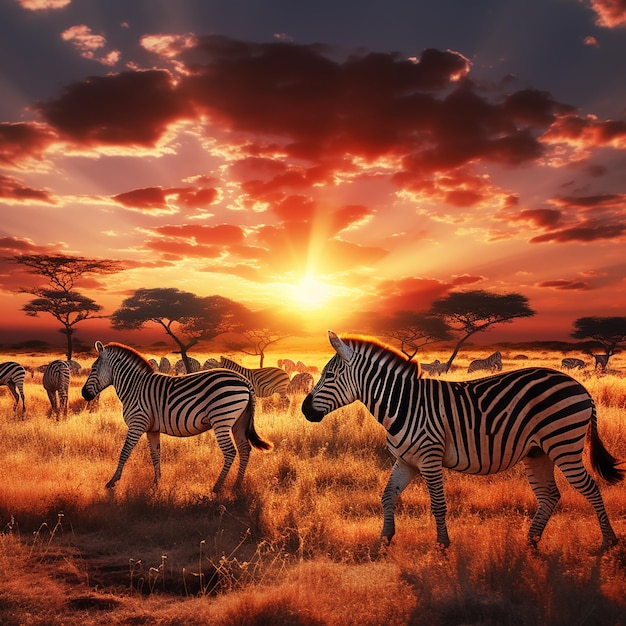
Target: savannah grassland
x=298, y=547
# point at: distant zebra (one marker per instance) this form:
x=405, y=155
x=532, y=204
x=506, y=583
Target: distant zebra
x=602, y=361
x=164, y=365
x=492, y=363
x=180, y=406
x=572, y=364
x=12, y=375
x=436, y=367
x=266, y=380
x=74, y=366
x=56, y=382
x=288, y=365
x=483, y=426
x=154, y=365
x=180, y=368
x=210, y=364
x=302, y=382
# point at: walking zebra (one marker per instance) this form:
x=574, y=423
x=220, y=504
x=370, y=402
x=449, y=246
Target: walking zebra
x=181, y=406
x=56, y=381
x=571, y=364
x=12, y=375
x=535, y=415
x=266, y=380
x=492, y=363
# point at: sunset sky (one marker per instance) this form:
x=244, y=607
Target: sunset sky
x=329, y=158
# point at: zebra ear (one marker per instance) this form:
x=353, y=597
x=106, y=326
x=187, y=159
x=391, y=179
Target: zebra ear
x=99, y=346
x=342, y=349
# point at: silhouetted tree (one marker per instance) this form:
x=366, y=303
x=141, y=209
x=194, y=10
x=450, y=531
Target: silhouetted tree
x=609, y=332
x=471, y=312
x=59, y=297
x=413, y=330
x=185, y=317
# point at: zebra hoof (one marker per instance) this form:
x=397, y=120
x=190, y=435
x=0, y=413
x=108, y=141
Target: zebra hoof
x=609, y=543
x=111, y=484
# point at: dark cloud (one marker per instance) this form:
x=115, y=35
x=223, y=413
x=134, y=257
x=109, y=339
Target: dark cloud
x=130, y=108
x=160, y=199
x=565, y=285
x=586, y=231
x=21, y=141
x=13, y=189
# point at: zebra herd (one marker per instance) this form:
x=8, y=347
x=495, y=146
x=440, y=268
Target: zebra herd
x=535, y=415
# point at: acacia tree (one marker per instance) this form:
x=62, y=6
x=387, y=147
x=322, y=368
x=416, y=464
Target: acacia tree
x=414, y=330
x=609, y=332
x=185, y=317
x=59, y=297
x=471, y=312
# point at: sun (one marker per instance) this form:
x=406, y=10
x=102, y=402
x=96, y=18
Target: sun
x=309, y=293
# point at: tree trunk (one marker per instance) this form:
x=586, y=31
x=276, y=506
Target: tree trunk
x=68, y=331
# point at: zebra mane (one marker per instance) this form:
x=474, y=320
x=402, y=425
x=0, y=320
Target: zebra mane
x=357, y=342
x=138, y=358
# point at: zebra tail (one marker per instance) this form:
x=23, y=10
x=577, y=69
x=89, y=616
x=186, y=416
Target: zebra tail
x=603, y=462
x=251, y=433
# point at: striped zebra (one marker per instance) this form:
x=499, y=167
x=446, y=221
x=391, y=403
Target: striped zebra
x=154, y=365
x=180, y=367
x=183, y=406
x=164, y=365
x=572, y=364
x=302, y=382
x=56, y=382
x=436, y=367
x=266, y=380
x=492, y=363
x=288, y=365
x=12, y=375
x=535, y=415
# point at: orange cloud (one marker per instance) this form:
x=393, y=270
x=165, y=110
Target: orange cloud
x=610, y=13
x=89, y=45
x=565, y=285
x=11, y=189
x=43, y=5
x=20, y=142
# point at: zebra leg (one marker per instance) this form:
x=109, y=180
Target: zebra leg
x=540, y=474
x=132, y=437
x=433, y=477
x=243, y=447
x=154, y=440
x=63, y=402
x=401, y=475
x=53, y=404
x=225, y=442
x=580, y=479
x=12, y=388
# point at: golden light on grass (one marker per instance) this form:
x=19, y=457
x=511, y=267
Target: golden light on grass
x=297, y=546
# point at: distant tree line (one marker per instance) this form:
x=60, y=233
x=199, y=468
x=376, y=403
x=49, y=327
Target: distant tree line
x=188, y=318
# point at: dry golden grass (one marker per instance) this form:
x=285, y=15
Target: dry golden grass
x=296, y=547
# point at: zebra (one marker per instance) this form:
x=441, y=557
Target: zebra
x=266, y=380
x=288, y=365
x=436, y=367
x=154, y=365
x=602, y=361
x=75, y=367
x=571, y=364
x=56, y=382
x=164, y=365
x=492, y=363
x=12, y=375
x=536, y=415
x=181, y=368
x=183, y=406
x=302, y=382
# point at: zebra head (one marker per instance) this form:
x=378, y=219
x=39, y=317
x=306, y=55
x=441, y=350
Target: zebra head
x=335, y=387
x=100, y=376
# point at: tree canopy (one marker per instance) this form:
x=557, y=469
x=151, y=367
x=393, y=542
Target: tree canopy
x=609, y=332
x=59, y=297
x=471, y=312
x=186, y=317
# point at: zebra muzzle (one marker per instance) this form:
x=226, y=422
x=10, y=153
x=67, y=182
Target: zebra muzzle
x=310, y=412
x=87, y=394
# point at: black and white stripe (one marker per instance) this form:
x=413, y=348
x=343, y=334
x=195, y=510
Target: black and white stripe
x=535, y=415
x=571, y=363
x=12, y=375
x=180, y=406
x=266, y=380
x=56, y=382
x=491, y=364
x=181, y=368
